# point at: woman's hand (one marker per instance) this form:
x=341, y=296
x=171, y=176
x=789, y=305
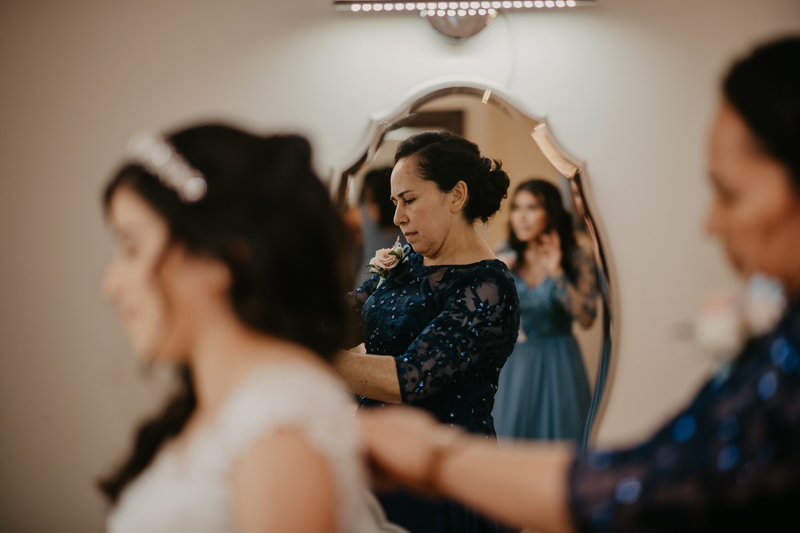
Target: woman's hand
x=399, y=442
x=549, y=251
x=522, y=485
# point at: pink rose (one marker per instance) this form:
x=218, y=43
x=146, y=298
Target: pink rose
x=385, y=260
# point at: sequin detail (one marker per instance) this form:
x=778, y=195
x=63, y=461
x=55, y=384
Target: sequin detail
x=449, y=328
x=729, y=462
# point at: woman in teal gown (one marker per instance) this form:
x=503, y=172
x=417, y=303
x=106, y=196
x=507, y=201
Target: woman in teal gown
x=543, y=391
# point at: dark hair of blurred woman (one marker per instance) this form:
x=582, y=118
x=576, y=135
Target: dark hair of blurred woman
x=766, y=95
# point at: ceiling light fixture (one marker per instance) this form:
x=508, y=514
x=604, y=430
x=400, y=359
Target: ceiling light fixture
x=457, y=20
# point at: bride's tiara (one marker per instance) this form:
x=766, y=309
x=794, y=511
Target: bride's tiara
x=158, y=157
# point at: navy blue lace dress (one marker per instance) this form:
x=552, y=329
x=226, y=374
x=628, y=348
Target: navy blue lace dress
x=729, y=462
x=450, y=329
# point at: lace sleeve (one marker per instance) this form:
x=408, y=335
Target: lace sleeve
x=579, y=299
x=729, y=462
x=356, y=299
x=479, y=319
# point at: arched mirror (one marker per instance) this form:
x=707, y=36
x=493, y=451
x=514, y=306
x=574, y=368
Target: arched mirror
x=524, y=144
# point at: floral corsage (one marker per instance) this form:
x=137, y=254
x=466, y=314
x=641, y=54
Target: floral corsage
x=387, y=259
x=727, y=320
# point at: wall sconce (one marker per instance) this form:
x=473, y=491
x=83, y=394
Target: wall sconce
x=456, y=20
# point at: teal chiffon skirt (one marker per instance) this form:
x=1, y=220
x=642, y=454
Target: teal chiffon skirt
x=543, y=392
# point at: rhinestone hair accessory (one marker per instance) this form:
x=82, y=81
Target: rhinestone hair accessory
x=159, y=158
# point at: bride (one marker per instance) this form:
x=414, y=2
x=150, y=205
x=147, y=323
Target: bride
x=228, y=268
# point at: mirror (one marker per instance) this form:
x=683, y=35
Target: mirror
x=504, y=131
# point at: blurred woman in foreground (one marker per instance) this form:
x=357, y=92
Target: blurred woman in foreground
x=217, y=272
x=731, y=460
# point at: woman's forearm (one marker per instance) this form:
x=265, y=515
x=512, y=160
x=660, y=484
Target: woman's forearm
x=522, y=485
x=371, y=376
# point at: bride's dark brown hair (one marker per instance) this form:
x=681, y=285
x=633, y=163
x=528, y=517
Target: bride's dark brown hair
x=268, y=217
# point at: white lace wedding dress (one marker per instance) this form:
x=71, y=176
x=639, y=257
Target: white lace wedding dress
x=191, y=490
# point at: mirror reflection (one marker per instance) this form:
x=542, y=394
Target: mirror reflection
x=546, y=387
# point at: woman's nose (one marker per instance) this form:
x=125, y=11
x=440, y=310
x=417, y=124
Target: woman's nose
x=399, y=216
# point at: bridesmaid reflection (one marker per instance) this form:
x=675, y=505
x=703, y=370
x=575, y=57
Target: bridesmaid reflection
x=543, y=392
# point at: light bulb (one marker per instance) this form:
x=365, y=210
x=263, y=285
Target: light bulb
x=507, y=4
x=377, y=7
x=518, y=4
x=528, y=4
x=355, y=7
x=561, y=3
x=367, y=7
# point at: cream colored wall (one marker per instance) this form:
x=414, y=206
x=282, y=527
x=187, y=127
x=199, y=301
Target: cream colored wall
x=629, y=87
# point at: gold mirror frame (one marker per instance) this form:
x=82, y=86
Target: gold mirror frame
x=570, y=167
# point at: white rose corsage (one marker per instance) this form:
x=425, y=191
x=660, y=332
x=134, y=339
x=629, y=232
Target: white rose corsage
x=387, y=259
x=727, y=320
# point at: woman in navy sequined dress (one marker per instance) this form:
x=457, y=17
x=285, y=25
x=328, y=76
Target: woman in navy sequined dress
x=439, y=328
x=728, y=462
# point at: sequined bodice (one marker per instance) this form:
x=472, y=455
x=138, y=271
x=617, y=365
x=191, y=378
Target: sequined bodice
x=543, y=314
x=450, y=330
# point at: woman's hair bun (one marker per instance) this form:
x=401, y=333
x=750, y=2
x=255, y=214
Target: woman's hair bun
x=488, y=191
x=446, y=159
